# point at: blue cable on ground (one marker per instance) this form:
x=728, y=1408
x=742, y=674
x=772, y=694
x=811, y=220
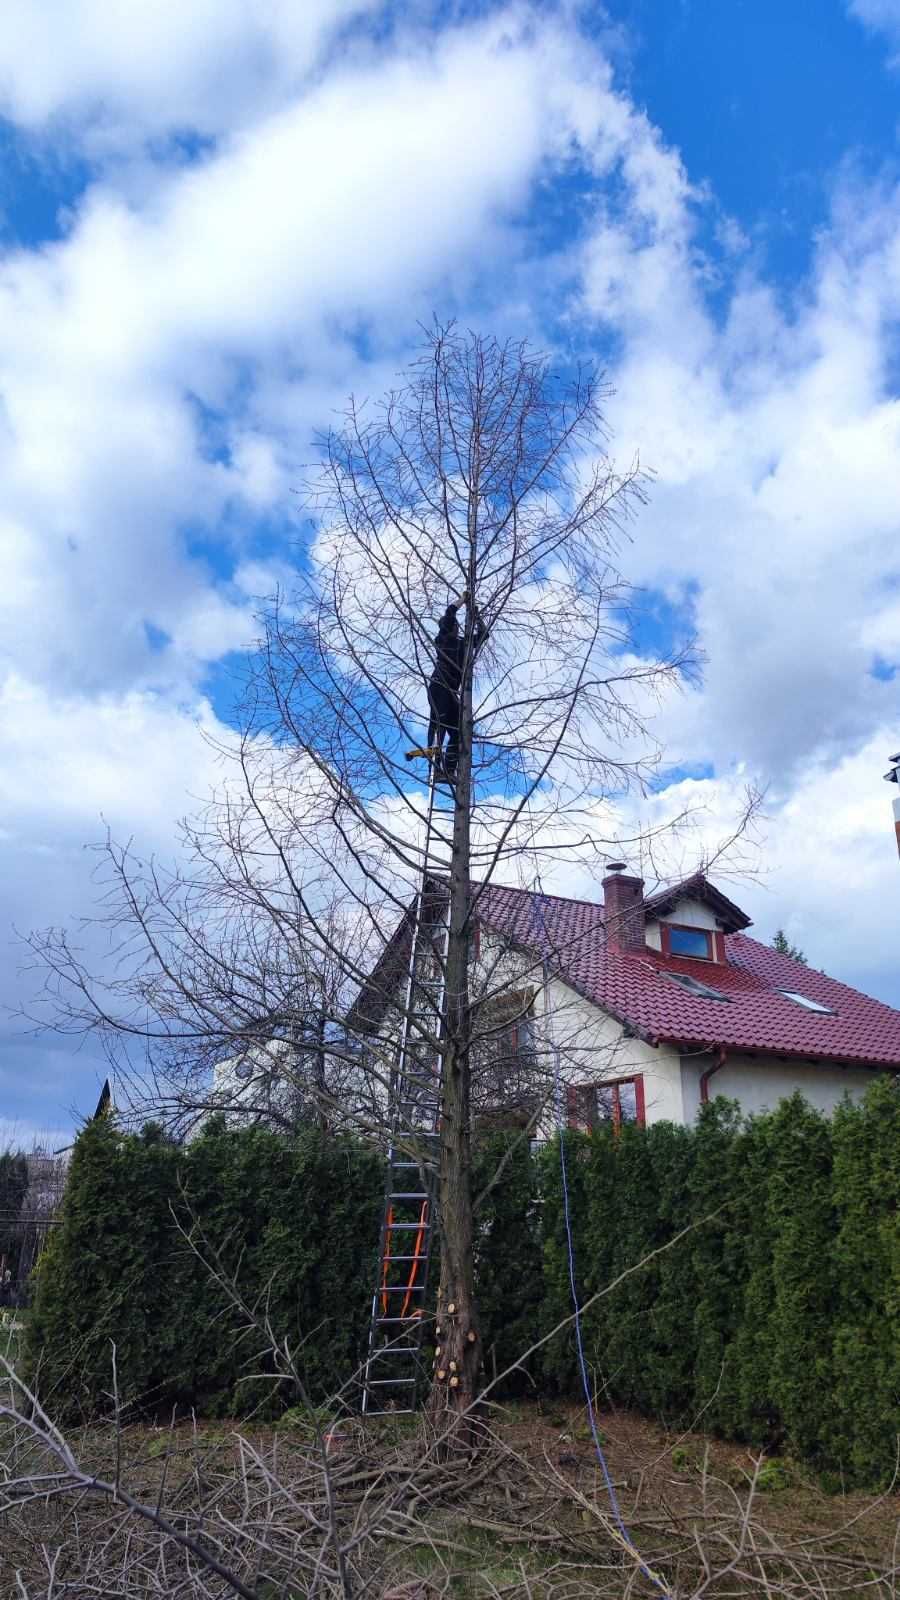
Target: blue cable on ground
x=570, y=1250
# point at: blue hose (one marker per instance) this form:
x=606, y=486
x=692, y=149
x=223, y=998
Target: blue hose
x=538, y=900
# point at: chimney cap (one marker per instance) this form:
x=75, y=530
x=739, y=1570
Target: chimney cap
x=616, y=866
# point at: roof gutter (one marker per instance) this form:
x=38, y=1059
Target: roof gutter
x=720, y=1056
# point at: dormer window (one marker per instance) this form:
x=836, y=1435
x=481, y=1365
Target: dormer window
x=695, y=942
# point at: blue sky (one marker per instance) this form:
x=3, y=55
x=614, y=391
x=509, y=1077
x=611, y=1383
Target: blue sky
x=766, y=101
x=209, y=235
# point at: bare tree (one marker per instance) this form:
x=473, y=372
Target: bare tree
x=483, y=476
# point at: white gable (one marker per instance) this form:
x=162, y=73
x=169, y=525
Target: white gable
x=688, y=913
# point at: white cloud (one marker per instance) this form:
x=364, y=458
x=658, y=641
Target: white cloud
x=123, y=343
x=775, y=435
x=828, y=864
x=72, y=766
x=881, y=15
x=158, y=65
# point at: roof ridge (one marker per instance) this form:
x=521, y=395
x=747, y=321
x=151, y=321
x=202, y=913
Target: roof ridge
x=543, y=894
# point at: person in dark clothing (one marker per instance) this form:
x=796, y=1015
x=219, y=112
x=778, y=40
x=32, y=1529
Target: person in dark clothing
x=444, y=688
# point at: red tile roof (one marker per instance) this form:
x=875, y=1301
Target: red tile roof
x=633, y=987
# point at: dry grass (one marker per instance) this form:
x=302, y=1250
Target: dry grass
x=286, y=1512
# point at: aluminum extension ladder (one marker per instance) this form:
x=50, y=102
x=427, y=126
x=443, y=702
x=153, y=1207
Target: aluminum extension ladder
x=393, y=1369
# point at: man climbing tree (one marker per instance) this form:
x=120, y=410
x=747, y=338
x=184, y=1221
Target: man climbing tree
x=484, y=476
x=443, y=691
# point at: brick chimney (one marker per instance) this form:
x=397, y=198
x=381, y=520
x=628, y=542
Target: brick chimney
x=623, y=909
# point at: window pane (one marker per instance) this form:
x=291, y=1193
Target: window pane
x=606, y=1103
x=692, y=985
x=628, y=1102
x=582, y=1106
x=689, y=942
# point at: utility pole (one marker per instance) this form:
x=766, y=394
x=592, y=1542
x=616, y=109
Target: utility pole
x=894, y=777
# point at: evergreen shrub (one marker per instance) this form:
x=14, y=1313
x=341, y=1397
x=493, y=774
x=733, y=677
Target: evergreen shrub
x=152, y=1234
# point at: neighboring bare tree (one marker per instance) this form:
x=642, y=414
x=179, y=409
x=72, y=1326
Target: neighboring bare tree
x=31, y=1190
x=485, y=473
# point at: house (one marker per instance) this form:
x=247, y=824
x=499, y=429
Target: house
x=642, y=1008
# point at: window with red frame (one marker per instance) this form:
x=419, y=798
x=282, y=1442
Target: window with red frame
x=595, y=1105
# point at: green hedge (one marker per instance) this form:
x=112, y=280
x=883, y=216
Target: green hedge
x=777, y=1319
x=294, y=1224
x=774, y=1319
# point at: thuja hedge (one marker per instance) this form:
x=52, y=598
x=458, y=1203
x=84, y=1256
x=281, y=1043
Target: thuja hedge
x=157, y=1240
x=774, y=1318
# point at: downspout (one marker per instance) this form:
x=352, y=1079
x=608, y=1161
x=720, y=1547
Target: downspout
x=720, y=1055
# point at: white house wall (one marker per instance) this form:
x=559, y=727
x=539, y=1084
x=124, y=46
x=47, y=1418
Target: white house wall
x=593, y=1048
x=758, y=1082
x=692, y=914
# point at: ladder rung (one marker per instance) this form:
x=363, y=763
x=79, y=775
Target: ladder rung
x=415, y=1322
x=401, y=1288
x=395, y=1350
x=388, y=1383
x=398, y=1411
x=408, y=1194
x=419, y=1257
x=406, y=1164
x=407, y=1227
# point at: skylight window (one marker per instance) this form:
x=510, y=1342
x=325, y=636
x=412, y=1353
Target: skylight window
x=802, y=1000
x=695, y=987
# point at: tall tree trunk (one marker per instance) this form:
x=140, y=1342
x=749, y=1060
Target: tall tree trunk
x=458, y=1345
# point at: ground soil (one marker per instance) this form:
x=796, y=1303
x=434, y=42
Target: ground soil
x=530, y=1518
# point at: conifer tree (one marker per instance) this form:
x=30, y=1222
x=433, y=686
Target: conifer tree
x=865, y=1350
x=718, y=1258
x=783, y=945
x=801, y=1222
x=755, y=1416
